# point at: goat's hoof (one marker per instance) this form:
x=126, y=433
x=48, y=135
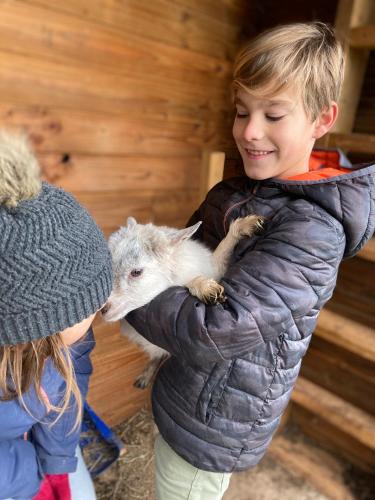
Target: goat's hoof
x=207, y=290
x=214, y=293
x=246, y=226
x=141, y=383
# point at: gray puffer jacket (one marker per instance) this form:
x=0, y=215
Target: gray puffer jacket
x=218, y=400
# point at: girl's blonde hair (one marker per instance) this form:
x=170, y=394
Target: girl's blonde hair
x=305, y=56
x=21, y=367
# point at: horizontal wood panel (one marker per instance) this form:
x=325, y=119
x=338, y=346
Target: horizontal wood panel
x=332, y=438
x=354, y=142
x=67, y=86
x=321, y=469
x=349, y=419
x=362, y=37
x=161, y=20
x=368, y=251
x=146, y=132
x=40, y=32
x=346, y=334
x=124, y=173
x=228, y=11
x=119, y=98
x=354, y=295
x=341, y=374
x=110, y=209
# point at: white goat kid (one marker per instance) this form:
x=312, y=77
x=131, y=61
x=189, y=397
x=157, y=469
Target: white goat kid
x=148, y=259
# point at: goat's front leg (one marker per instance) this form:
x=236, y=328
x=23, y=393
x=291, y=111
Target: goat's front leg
x=206, y=289
x=244, y=226
x=209, y=290
x=149, y=372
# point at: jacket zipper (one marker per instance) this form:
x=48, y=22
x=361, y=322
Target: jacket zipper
x=229, y=210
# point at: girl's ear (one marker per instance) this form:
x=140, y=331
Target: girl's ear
x=325, y=120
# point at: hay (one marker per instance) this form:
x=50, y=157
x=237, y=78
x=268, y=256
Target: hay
x=131, y=477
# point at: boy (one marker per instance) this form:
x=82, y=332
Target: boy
x=218, y=400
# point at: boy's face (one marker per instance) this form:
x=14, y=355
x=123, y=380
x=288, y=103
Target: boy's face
x=274, y=136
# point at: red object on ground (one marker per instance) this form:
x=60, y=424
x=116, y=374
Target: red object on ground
x=54, y=487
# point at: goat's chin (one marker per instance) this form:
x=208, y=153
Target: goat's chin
x=114, y=314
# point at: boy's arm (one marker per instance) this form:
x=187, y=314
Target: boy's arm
x=291, y=271
x=19, y=472
x=56, y=444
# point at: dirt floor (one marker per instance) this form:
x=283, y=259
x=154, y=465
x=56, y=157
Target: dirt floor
x=131, y=476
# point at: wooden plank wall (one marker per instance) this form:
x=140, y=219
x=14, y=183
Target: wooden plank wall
x=120, y=97
x=365, y=119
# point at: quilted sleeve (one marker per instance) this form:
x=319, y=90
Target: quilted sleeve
x=290, y=272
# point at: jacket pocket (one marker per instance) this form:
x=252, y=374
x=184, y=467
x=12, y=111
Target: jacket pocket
x=212, y=391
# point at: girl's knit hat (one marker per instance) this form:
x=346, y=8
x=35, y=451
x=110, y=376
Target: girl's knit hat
x=55, y=267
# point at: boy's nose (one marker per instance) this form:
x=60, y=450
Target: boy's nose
x=253, y=131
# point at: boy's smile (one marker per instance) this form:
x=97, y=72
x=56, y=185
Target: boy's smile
x=274, y=136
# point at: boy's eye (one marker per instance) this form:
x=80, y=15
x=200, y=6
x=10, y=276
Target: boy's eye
x=274, y=118
x=241, y=114
x=135, y=273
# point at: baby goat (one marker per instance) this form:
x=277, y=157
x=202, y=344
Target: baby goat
x=148, y=259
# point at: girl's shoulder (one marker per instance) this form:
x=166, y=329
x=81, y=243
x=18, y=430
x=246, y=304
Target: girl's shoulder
x=17, y=417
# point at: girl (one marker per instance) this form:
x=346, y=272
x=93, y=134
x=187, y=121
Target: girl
x=55, y=273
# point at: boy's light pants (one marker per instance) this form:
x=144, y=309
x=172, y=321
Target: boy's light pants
x=176, y=479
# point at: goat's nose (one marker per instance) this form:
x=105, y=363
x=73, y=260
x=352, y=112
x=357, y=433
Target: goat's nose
x=105, y=308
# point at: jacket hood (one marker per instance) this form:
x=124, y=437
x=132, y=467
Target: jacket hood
x=349, y=196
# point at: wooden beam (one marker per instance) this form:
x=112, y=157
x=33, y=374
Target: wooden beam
x=334, y=421
x=347, y=334
x=368, y=251
x=161, y=20
x=87, y=87
x=352, y=142
x=126, y=173
x=313, y=464
x=362, y=37
x=355, y=68
x=38, y=31
x=350, y=14
x=212, y=171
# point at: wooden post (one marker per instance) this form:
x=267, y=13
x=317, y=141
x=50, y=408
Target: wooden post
x=212, y=171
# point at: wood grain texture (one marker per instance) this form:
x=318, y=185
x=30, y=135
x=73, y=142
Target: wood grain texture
x=174, y=23
x=146, y=132
x=335, y=422
x=120, y=99
x=68, y=39
x=116, y=364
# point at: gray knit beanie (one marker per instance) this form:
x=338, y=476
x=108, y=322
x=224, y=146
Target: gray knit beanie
x=55, y=267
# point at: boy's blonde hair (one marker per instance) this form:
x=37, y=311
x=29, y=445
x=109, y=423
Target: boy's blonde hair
x=305, y=56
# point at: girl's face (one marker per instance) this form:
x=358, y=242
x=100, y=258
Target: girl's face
x=274, y=136
x=75, y=332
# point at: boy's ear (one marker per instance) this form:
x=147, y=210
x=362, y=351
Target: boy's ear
x=325, y=120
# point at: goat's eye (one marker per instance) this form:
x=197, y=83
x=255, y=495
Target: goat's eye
x=135, y=273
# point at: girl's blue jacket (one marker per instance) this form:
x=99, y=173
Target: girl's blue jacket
x=48, y=449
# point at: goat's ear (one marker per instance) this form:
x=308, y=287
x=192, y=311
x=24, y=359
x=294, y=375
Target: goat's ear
x=131, y=222
x=184, y=234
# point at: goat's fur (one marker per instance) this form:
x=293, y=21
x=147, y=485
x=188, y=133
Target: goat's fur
x=148, y=259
